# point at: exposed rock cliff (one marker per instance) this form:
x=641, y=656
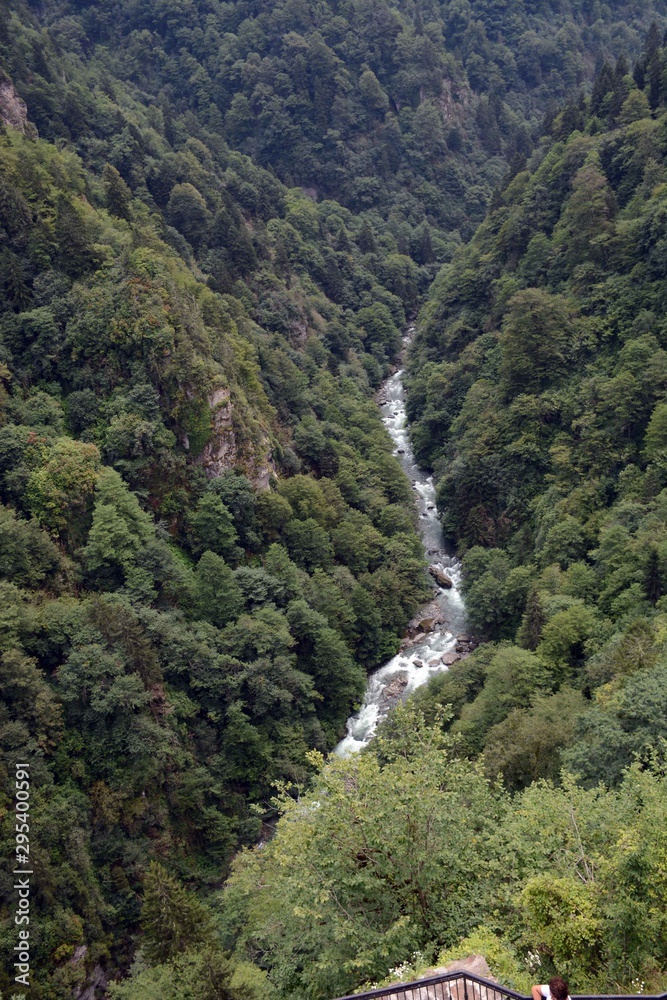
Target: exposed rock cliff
x=222, y=450
x=13, y=111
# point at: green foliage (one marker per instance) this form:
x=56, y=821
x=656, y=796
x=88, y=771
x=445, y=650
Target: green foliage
x=172, y=919
x=218, y=596
x=528, y=745
x=59, y=492
x=536, y=390
x=195, y=975
x=154, y=361
x=534, y=341
x=211, y=238
x=512, y=677
x=28, y=556
x=562, y=913
x=119, y=530
x=213, y=526
x=563, y=874
x=365, y=867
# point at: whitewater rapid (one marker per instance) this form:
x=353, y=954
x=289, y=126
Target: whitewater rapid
x=414, y=665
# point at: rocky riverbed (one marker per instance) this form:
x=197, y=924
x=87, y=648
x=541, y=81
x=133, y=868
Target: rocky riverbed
x=437, y=636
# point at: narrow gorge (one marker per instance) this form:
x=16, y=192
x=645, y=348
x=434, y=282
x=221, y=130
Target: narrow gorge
x=222, y=570
x=437, y=637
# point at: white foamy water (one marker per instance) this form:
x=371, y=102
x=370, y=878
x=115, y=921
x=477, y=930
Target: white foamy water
x=415, y=665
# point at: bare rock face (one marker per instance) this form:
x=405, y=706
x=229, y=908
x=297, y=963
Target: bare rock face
x=96, y=986
x=13, y=111
x=221, y=451
x=476, y=965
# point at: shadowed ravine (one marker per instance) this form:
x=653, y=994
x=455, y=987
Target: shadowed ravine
x=421, y=659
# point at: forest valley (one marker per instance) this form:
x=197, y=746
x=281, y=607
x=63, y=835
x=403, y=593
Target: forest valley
x=216, y=220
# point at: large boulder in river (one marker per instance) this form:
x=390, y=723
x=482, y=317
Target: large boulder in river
x=448, y=658
x=465, y=643
x=440, y=576
x=393, y=691
x=427, y=624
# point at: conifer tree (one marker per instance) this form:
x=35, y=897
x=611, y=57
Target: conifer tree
x=172, y=919
x=532, y=622
x=219, y=599
x=117, y=192
x=652, y=578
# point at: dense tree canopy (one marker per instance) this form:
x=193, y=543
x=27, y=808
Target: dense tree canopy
x=215, y=222
x=537, y=392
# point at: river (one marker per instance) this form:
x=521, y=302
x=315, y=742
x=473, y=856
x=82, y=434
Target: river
x=421, y=659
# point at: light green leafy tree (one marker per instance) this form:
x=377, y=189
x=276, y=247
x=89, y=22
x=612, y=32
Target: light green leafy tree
x=391, y=851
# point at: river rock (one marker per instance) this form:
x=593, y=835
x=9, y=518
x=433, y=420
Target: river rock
x=396, y=687
x=466, y=643
x=440, y=576
x=448, y=658
x=430, y=619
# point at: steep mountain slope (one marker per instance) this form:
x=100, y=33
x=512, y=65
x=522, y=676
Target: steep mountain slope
x=407, y=112
x=205, y=541
x=538, y=393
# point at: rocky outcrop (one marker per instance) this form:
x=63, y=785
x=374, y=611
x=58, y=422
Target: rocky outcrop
x=476, y=965
x=429, y=620
x=447, y=659
x=13, y=110
x=465, y=644
x=221, y=451
x=96, y=982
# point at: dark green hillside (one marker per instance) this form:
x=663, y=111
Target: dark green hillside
x=406, y=112
x=539, y=395
x=532, y=830
x=205, y=541
x=173, y=643
x=216, y=220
